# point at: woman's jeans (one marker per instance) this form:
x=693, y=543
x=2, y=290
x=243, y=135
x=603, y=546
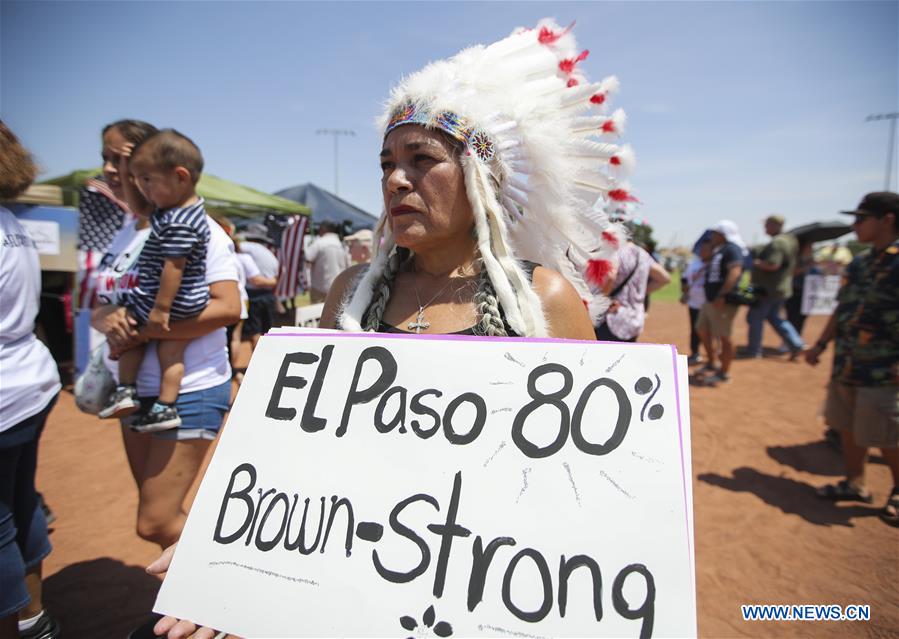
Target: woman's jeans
x=23, y=528
x=768, y=308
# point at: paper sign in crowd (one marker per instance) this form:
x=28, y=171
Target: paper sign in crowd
x=388, y=486
x=819, y=294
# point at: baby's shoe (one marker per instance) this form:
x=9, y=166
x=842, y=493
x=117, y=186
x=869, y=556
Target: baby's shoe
x=121, y=403
x=159, y=417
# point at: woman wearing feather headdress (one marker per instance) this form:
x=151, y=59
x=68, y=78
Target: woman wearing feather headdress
x=492, y=164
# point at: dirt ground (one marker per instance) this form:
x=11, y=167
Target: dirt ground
x=761, y=535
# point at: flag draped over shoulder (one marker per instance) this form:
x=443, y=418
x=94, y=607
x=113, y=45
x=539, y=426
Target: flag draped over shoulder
x=292, y=272
x=102, y=215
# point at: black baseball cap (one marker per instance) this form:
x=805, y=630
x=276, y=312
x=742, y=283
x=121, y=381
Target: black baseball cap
x=877, y=204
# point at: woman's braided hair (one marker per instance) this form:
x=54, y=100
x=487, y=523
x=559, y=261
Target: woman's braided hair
x=489, y=319
x=381, y=291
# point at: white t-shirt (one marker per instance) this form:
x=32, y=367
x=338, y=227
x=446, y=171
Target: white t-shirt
x=247, y=270
x=28, y=375
x=264, y=258
x=206, y=357
x=695, y=276
x=328, y=258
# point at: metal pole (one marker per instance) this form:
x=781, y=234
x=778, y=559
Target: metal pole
x=890, y=143
x=336, y=164
x=336, y=133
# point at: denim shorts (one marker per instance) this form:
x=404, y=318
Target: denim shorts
x=23, y=528
x=202, y=413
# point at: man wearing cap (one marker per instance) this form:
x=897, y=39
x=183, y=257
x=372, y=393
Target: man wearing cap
x=359, y=244
x=716, y=317
x=863, y=395
x=327, y=258
x=772, y=282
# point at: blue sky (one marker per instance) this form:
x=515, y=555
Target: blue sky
x=736, y=109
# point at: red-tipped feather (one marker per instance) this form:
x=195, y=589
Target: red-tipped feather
x=567, y=65
x=597, y=98
x=572, y=82
x=598, y=271
x=608, y=126
x=615, y=160
x=610, y=237
x=548, y=36
x=620, y=195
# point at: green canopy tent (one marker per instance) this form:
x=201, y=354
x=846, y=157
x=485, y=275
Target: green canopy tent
x=222, y=196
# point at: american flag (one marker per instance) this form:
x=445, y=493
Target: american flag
x=102, y=214
x=292, y=272
x=100, y=186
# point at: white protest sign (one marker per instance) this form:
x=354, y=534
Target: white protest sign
x=45, y=234
x=385, y=486
x=819, y=294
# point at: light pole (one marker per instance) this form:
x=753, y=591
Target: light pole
x=336, y=133
x=890, y=144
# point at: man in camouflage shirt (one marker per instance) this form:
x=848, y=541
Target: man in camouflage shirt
x=863, y=396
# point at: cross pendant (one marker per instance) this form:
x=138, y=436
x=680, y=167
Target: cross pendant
x=419, y=322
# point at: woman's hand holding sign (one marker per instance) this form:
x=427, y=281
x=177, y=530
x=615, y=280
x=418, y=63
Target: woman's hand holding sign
x=170, y=626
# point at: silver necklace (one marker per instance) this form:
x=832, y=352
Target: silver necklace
x=420, y=324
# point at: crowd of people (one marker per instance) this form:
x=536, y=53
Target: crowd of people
x=174, y=290
x=173, y=296
x=862, y=401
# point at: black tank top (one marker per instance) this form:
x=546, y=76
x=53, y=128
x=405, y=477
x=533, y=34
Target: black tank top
x=526, y=266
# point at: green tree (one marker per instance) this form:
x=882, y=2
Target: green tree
x=642, y=237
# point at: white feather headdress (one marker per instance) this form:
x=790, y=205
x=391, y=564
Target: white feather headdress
x=534, y=127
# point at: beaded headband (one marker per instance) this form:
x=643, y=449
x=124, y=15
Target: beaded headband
x=477, y=140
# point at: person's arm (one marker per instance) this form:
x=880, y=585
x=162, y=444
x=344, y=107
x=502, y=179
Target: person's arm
x=658, y=277
x=311, y=253
x=730, y=283
x=768, y=267
x=773, y=258
x=336, y=294
x=119, y=328
x=563, y=307
x=223, y=310
x=169, y=283
x=813, y=355
x=261, y=281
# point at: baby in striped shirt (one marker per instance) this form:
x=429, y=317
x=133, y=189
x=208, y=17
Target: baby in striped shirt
x=172, y=271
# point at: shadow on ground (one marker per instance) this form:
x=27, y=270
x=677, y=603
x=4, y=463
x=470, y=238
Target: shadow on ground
x=100, y=598
x=817, y=458
x=790, y=496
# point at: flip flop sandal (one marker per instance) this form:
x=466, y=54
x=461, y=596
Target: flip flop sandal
x=843, y=491
x=890, y=512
